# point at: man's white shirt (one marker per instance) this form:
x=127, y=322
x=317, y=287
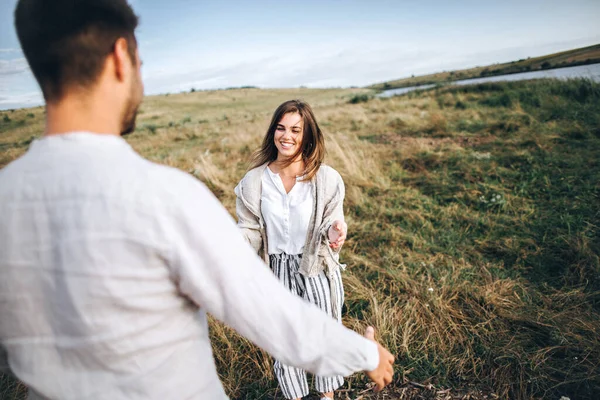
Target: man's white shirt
x=108, y=266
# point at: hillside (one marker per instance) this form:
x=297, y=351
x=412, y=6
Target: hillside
x=582, y=56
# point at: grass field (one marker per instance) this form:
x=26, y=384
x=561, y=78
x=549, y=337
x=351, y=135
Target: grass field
x=569, y=58
x=473, y=216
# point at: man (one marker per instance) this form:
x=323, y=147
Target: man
x=109, y=263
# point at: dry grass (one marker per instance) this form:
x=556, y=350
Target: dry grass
x=474, y=241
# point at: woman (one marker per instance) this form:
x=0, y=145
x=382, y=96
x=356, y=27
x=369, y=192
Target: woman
x=290, y=209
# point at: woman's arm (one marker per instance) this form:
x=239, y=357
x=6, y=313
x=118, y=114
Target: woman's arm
x=333, y=229
x=333, y=214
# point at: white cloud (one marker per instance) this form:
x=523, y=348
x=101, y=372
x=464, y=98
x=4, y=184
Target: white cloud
x=328, y=65
x=30, y=99
x=312, y=66
x=322, y=65
x=14, y=66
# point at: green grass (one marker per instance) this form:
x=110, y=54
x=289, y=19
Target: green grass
x=11, y=389
x=473, y=217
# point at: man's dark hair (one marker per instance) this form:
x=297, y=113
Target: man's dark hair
x=66, y=41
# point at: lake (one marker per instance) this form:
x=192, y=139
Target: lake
x=591, y=71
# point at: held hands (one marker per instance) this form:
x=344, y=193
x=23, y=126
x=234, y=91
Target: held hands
x=382, y=375
x=337, y=234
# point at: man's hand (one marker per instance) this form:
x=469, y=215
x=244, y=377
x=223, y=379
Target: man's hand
x=382, y=375
x=337, y=234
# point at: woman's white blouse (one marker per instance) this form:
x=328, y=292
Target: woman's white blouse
x=286, y=215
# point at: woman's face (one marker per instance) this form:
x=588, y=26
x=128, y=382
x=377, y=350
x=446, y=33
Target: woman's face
x=288, y=135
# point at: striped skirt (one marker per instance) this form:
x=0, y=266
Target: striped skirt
x=319, y=291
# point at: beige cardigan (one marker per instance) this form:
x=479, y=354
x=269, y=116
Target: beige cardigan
x=328, y=199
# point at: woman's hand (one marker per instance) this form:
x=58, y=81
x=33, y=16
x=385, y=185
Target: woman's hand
x=337, y=234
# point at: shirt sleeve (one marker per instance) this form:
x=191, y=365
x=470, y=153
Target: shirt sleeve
x=218, y=270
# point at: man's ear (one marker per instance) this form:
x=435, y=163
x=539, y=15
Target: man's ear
x=122, y=60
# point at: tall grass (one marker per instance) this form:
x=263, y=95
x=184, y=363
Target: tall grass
x=473, y=218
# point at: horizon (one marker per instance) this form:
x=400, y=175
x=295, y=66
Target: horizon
x=186, y=45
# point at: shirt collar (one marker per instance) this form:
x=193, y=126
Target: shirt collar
x=80, y=137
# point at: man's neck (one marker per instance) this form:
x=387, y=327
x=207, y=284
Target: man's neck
x=77, y=114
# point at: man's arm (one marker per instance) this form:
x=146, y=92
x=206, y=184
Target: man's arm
x=218, y=270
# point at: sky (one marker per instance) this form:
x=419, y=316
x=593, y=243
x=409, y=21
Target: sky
x=196, y=44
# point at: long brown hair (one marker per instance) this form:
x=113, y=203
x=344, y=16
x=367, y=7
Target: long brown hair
x=313, y=144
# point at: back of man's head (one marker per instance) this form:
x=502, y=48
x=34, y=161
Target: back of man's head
x=67, y=41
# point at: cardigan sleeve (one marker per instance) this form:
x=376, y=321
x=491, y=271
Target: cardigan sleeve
x=248, y=222
x=334, y=210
